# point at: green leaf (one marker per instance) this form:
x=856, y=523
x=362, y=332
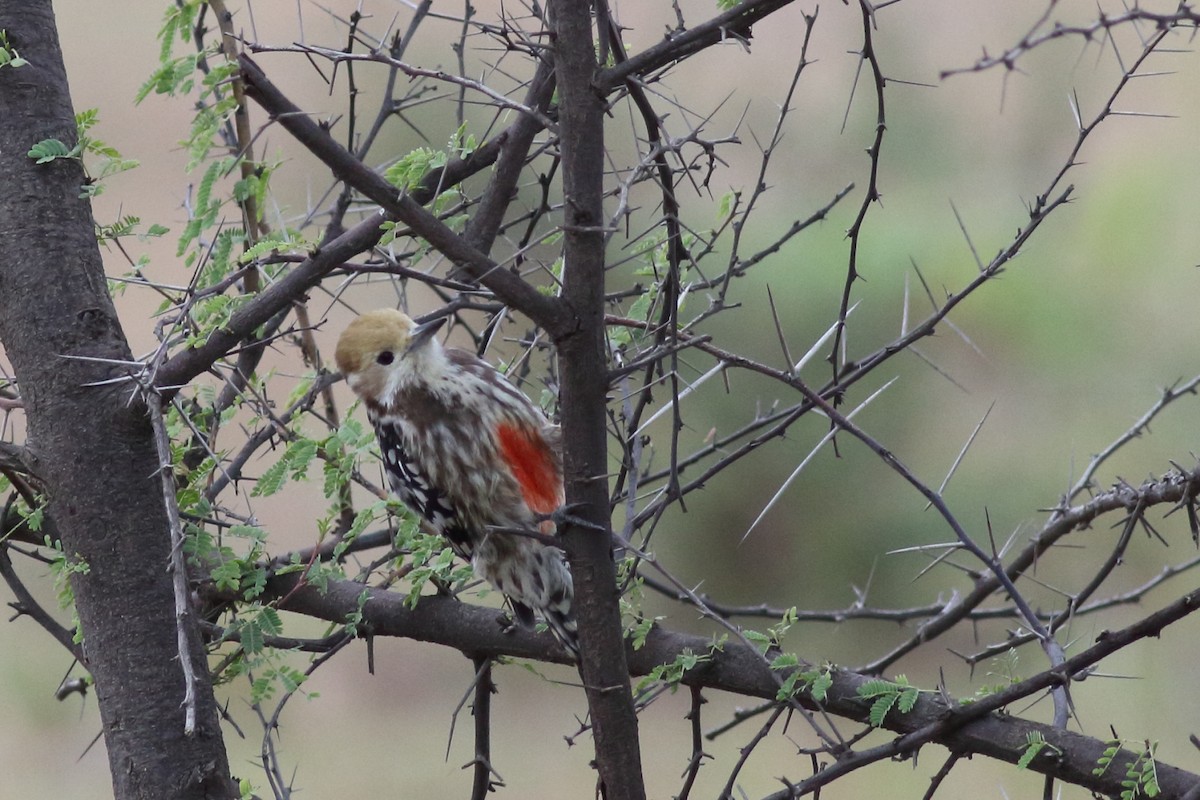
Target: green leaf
x=787, y=689
x=760, y=640
x=50, y=149
x=880, y=708
x=1036, y=743
x=228, y=576
x=876, y=687
x=84, y=120
x=820, y=686
x=9, y=57
x=639, y=632
x=262, y=248
x=726, y=206
x=289, y=678
x=251, y=634
x=407, y=173
x=887, y=695
x=785, y=661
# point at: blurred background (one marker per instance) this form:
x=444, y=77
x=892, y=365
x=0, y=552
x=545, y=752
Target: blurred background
x=1067, y=348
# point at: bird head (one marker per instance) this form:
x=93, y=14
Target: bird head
x=384, y=349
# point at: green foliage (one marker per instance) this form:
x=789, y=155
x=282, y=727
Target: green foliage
x=637, y=625
x=774, y=634
x=274, y=244
x=815, y=682
x=127, y=226
x=62, y=567
x=9, y=57
x=342, y=450
x=354, y=619
x=726, y=5
x=888, y=695
x=293, y=464
x=280, y=677
x=171, y=77
x=174, y=76
x=206, y=240
x=1036, y=744
x=255, y=624
x=48, y=150
x=726, y=206
x=254, y=187
x=108, y=161
x=673, y=672
x=556, y=271
x=207, y=122
x=205, y=208
x=654, y=257
x=32, y=517
x=1003, y=673
x=430, y=560
x=407, y=173
x=462, y=144
x=1141, y=773
x=640, y=630
x=244, y=574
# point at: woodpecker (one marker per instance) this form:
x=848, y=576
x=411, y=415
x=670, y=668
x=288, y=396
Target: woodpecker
x=467, y=451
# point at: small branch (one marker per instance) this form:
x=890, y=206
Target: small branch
x=406, y=207
x=747, y=749
x=1169, y=395
x=1183, y=16
x=481, y=710
x=872, y=194
x=698, y=754
x=340, y=56
x=26, y=605
x=178, y=566
x=1174, y=487
x=732, y=25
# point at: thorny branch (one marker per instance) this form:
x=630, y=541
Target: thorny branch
x=972, y=727
x=520, y=215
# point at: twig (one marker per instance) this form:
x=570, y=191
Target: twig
x=178, y=565
x=698, y=754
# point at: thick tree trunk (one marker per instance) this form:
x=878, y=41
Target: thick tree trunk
x=584, y=369
x=93, y=447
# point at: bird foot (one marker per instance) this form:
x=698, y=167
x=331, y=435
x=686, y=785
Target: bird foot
x=566, y=516
x=507, y=624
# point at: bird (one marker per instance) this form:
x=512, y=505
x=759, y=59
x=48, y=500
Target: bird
x=469, y=453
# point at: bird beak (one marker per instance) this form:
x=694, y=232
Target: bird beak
x=424, y=332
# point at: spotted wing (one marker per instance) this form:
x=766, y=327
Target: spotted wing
x=411, y=484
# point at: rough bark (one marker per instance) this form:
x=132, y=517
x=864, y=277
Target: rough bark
x=91, y=446
x=584, y=373
x=984, y=726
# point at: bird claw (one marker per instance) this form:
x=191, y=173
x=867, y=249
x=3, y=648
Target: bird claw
x=566, y=516
x=508, y=625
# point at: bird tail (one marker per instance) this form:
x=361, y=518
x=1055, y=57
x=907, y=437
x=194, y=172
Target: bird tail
x=562, y=623
x=558, y=618
x=535, y=579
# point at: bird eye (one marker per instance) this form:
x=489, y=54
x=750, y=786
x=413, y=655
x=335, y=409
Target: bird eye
x=386, y=357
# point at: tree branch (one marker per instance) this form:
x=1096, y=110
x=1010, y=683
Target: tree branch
x=733, y=24
x=974, y=727
x=407, y=207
